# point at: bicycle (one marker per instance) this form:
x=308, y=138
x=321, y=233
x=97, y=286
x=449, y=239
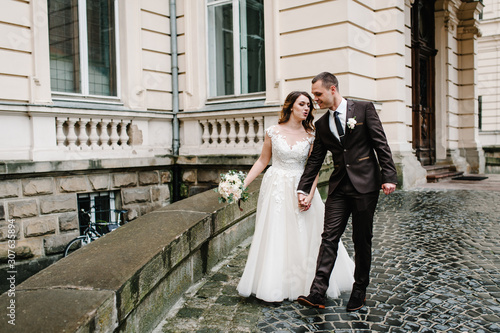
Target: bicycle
x=91, y=233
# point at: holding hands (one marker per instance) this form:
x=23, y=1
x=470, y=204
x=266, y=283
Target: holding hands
x=304, y=201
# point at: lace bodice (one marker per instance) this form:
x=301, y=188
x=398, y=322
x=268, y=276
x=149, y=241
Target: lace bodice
x=286, y=156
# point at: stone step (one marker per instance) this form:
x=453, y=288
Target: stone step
x=439, y=168
x=436, y=177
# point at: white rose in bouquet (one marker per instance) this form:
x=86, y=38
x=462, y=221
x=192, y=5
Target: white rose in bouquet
x=231, y=187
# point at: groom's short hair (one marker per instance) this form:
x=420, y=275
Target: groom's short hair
x=327, y=79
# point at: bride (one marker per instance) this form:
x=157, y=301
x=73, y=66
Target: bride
x=282, y=258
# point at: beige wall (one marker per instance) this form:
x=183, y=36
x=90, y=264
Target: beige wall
x=363, y=42
x=489, y=73
x=366, y=43
x=42, y=141
x=29, y=112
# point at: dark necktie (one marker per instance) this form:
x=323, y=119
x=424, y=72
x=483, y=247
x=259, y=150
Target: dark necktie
x=340, y=130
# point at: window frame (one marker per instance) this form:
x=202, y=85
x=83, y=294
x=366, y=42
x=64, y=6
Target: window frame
x=211, y=81
x=84, y=59
x=91, y=198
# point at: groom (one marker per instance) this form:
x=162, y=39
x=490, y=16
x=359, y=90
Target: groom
x=363, y=164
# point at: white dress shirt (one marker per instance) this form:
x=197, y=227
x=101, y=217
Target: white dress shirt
x=342, y=110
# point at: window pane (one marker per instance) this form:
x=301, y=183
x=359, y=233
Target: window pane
x=64, y=48
x=253, y=78
x=221, y=68
x=83, y=204
x=101, y=50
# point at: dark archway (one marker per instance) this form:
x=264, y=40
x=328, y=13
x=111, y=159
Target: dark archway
x=423, y=81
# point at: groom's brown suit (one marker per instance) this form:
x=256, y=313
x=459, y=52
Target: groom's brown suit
x=354, y=187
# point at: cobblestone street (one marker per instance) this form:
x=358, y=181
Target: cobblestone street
x=436, y=268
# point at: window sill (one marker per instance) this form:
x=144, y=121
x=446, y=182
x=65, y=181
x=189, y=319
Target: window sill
x=233, y=105
x=227, y=103
x=57, y=96
x=87, y=102
x=236, y=98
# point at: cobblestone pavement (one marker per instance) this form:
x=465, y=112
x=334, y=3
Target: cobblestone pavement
x=436, y=268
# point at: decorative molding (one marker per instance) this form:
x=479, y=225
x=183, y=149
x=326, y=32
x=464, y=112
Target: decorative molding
x=464, y=30
x=469, y=13
x=450, y=21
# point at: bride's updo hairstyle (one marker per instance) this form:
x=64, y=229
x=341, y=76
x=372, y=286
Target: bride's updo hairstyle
x=286, y=111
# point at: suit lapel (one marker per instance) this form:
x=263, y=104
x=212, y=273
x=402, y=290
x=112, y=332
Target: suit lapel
x=349, y=114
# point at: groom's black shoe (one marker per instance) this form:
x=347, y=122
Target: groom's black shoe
x=357, y=300
x=313, y=300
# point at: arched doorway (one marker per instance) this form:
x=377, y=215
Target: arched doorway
x=423, y=80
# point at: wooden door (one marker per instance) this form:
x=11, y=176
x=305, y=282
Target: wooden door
x=423, y=80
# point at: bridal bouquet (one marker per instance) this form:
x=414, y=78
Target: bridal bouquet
x=231, y=187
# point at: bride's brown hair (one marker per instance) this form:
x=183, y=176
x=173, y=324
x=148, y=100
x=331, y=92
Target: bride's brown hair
x=286, y=111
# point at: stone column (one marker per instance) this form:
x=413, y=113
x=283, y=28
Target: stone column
x=469, y=144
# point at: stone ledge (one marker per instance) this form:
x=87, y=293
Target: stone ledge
x=16, y=168
x=62, y=310
x=126, y=281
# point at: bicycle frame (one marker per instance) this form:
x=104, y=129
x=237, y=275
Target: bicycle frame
x=91, y=233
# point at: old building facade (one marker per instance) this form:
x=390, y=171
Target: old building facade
x=132, y=103
x=489, y=84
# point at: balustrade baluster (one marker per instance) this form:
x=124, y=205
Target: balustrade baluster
x=232, y=133
x=72, y=137
x=104, y=134
x=205, y=137
x=93, y=137
x=60, y=137
x=214, y=136
x=123, y=134
x=237, y=130
x=114, y=134
x=251, y=132
x=84, y=136
x=260, y=130
x=242, y=134
x=223, y=133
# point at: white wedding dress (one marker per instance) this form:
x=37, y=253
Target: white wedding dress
x=281, y=262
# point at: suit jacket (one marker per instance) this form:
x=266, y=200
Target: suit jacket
x=365, y=156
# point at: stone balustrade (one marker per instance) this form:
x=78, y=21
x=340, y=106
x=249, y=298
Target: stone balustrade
x=92, y=134
x=232, y=132
x=223, y=133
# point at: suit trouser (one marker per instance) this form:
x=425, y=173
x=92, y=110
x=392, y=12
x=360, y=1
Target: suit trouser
x=343, y=202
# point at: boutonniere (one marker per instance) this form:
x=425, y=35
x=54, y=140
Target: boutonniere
x=351, y=122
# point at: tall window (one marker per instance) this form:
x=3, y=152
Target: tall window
x=82, y=40
x=236, y=47
x=480, y=111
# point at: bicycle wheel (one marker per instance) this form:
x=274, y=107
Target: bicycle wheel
x=74, y=245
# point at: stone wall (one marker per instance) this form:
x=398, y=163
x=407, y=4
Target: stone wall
x=201, y=173
x=43, y=206
x=127, y=280
x=492, y=156
x=44, y=210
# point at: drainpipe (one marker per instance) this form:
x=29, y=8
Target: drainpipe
x=175, y=101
